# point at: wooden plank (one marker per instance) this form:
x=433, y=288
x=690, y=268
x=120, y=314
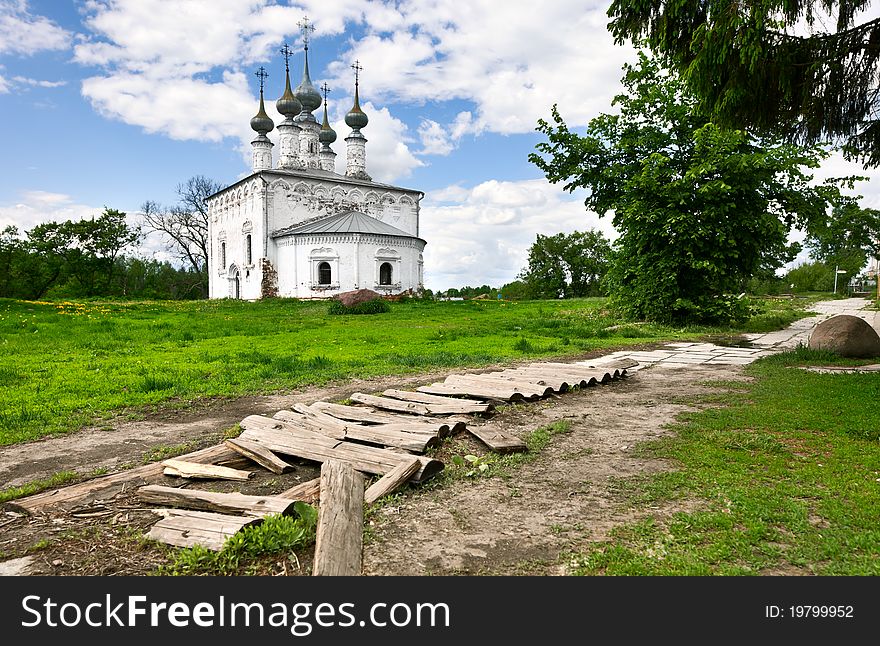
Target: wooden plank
x=454, y=405
x=189, y=529
x=391, y=481
x=441, y=426
x=184, y=469
x=308, y=491
x=339, y=542
x=527, y=388
x=237, y=503
x=410, y=440
x=386, y=403
x=260, y=455
x=498, y=441
x=281, y=437
x=105, y=487
x=559, y=385
x=168, y=512
x=487, y=391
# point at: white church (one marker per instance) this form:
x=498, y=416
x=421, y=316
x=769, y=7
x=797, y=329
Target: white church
x=296, y=227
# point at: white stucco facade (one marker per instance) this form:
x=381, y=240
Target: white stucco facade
x=313, y=234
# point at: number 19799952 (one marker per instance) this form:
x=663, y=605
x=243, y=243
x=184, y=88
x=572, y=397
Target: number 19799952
x=806, y=612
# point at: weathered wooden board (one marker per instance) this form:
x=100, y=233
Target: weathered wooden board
x=386, y=403
x=221, y=503
x=184, y=469
x=498, y=441
x=441, y=426
x=439, y=405
x=308, y=491
x=527, y=388
x=415, y=440
x=260, y=455
x=391, y=481
x=339, y=542
x=188, y=528
x=105, y=487
x=486, y=391
x=280, y=437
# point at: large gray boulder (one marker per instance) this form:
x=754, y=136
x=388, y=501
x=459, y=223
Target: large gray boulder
x=846, y=335
x=358, y=296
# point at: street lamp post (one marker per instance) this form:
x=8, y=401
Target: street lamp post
x=837, y=271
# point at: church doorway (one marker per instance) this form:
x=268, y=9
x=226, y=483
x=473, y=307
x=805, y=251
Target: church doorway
x=385, y=273
x=234, y=283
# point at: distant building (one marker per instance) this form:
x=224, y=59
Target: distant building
x=297, y=228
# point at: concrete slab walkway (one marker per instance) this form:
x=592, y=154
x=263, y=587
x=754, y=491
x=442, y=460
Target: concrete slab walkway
x=681, y=355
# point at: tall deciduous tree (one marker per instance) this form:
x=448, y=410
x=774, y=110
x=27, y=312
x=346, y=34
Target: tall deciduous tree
x=807, y=69
x=847, y=238
x=567, y=265
x=699, y=209
x=185, y=226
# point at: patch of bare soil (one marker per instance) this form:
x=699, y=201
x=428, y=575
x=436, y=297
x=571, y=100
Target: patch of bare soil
x=567, y=496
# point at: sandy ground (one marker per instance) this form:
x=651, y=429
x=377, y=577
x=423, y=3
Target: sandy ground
x=566, y=497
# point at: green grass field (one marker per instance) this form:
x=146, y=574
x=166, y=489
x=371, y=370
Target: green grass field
x=787, y=475
x=64, y=365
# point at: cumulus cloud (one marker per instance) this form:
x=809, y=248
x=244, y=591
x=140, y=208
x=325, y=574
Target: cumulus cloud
x=4, y=85
x=23, y=33
x=482, y=235
x=38, y=206
x=38, y=83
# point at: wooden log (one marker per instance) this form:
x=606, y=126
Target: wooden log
x=527, y=388
x=498, y=441
x=260, y=455
x=184, y=469
x=441, y=426
x=391, y=481
x=187, y=529
x=415, y=440
x=237, y=503
x=277, y=436
x=308, y=491
x=339, y=542
x=386, y=403
x=105, y=487
x=486, y=391
x=439, y=405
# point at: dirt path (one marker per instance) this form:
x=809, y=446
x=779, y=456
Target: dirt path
x=565, y=498
x=568, y=495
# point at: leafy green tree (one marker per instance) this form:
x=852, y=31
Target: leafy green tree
x=847, y=238
x=804, y=69
x=567, y=265
x=699, y=209
x=515, y=291
x=813, y=276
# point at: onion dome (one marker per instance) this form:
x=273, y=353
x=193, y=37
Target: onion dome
x=356, y=118
x=261, y=121
x=306, y=94
x=326, y=135
x=288, y=105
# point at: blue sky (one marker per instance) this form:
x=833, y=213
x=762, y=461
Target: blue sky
x=115, y=102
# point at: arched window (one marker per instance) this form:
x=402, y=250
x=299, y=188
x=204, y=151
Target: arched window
x=247, y=249
x=324, y=274
x=385, y=273
x=223, y=255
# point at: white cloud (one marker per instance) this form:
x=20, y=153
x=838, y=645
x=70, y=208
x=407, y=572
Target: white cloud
x=435, y=138
x=38, y=206
x=24, y=33
x=37, y=83
x=485, y=238
x=4, y=86
x=182, y=108
x=513, y=69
